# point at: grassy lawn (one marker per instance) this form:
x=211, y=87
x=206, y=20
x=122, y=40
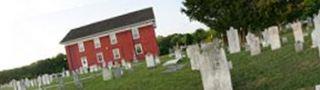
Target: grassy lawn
x=142, y=78
x=282, y=69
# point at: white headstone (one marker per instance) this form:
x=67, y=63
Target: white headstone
x=177, y=53
x=110, y=64
x=297, y=31
x=214, y=69
x=317, y=87
x=193, y=52
x=157, y=60
x=315, y=38
x=67, y=73
x=106, y=74
x=124, y=63
x=254, y=44
x=233, y=40
x=150, y=60
x=274, y=37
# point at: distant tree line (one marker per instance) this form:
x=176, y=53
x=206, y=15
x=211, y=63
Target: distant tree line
x=47, y=66
x=166, y=43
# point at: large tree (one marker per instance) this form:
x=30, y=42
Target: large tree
x=248, y=15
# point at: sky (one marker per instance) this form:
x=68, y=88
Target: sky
x=30, y=30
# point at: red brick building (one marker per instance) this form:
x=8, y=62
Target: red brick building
x=126, y=37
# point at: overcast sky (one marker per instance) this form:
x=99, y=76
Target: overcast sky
x=30, y=30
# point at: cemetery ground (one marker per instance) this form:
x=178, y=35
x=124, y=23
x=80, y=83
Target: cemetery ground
x=282, y=69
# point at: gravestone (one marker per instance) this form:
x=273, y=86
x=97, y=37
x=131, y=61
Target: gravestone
x=110, y=64
x=274, y=38
x=298, y=46
x=67, y=73
x=297, y=31
x=150, y=60
x=106, y=74
x=14, y=84
x=214, y=69
x=157, y=60
x=117, y=71
x=193, y=52
x=284, y=39
x=39, y=80
x=124, y=63
x=315, y=38
x=265, y=38
x=233, y=40
x=177, y=53
x=77, y=81
x=317, y=87
x=61, y=83
x=254, y=44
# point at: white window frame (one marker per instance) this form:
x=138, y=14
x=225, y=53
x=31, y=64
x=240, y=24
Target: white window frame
x=136, y=46
x=100, y=54
x=113, y=38
x=84, y=61
x=81, y=47
x=115, y=52
x=135, y=33
x=97, y=43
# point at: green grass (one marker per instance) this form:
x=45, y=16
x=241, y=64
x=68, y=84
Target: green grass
x=142, y=78
x=282, y=69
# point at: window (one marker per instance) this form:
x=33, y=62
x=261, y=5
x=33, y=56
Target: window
x=135, y=33
x=100, y=57
x=138, y=48
x=81, y=47
x=97, y=43
x=113, y=38
x=84, y=61
x=116, y=53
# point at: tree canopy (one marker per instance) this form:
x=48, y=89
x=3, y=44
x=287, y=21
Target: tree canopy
x=253, y=15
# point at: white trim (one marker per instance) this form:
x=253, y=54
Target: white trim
x=81, y=46
x=135, y=33
x=97, y=56
x=97, y=43
x=136, y=46
x=114, y=52
x=113, y=38
x=108, y=32
x=84, y=58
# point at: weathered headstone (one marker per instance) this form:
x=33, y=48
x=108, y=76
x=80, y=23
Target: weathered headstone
x=157, y=59
x=274, y=37
x=254, y=44
x=233, y=40
x=298, y=46
x=317, y=87
x=117, y=71
x=284, y=39
x=265, y=38
x=67, y=73
x=106, y=74
x=177, y=53
x=297, y=32
x=214, y=69
x=39, y=80
x=150, y=60
x=77, y=81
x=315, y=38
x=61, y=83
x=193, y=52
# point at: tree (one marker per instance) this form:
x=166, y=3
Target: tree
x=248, y=15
